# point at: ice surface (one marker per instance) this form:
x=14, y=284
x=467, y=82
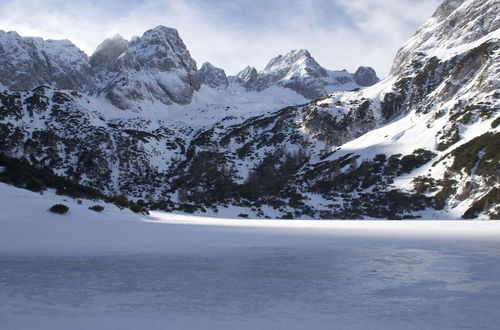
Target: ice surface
x=320, y=287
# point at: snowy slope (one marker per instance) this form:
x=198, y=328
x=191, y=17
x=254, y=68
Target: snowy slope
x=120, y=231
x=370, y=152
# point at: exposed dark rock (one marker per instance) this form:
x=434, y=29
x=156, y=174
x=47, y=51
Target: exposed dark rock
x=212, y=76
x=365, y=76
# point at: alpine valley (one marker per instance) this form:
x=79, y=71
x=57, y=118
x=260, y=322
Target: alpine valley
x=294, y=140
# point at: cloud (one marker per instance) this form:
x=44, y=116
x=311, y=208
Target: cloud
x=232, y=34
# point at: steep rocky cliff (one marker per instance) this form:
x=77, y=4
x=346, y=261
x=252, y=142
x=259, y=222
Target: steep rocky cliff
x=212, y=76
x=154, y=67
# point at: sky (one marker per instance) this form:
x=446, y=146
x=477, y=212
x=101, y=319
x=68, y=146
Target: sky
x=231, y=34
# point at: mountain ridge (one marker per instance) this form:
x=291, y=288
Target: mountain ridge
x=299, y=71
x=154, y=67
x=420, y=143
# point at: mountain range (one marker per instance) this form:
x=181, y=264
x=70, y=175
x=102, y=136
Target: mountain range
x=156, y=67
x=294, y=140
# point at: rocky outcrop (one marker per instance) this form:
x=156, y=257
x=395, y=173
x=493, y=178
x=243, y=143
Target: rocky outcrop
x=105, y=57
x=455, y=24
x=213, y=77
x=247, y=77
x=26, y=63
x=365, y=76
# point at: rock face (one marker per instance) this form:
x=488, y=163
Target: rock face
x=26, y=63
x=455, y=24
x=80, y=144
x=105, y=57
x=299, y=71
x=247, y=77
x=154, y=67
x=213, y=77
x=365, y=76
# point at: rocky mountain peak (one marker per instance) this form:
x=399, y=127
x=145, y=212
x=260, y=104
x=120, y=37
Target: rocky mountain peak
x=212, y=76
x=454, y=25
x=365, y=76
x=106, y=55
x=296, y=63
x=447, y=7
x=27, y=62
x=300, y=72
x=155, y=66
x=287, y=59
x=161, y=48
x=247, y=75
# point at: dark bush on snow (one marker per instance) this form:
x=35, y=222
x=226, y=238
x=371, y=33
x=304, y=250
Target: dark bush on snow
x=20, y=173
x=97, y=208
x=59, y=209
x=137, y=209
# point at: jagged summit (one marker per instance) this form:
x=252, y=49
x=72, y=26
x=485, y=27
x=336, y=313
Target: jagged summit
x=365, y=76
x=153, y=67
x=247, y=76
x=27, y=62
x=455, y=26
x=299, y=71
x=212, y=76
x=165, y=30
x=106, y=55
x=296, y=63
x=160, y=48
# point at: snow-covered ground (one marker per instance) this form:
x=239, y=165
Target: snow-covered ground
x=119, y=270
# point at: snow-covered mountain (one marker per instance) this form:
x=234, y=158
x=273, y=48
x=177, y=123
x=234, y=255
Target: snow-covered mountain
x=27, y=62
x=422, y=142
x=299, y=71
x=155, y=67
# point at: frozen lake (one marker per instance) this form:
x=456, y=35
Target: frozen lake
x=380, y=286
x=119, y=270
